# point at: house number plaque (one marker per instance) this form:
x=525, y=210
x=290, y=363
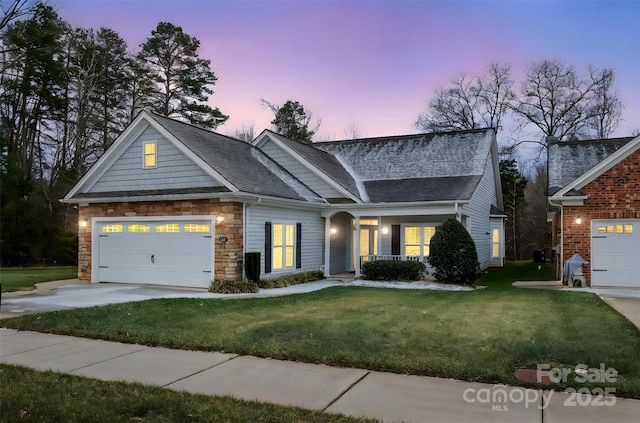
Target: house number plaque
x=222, y=239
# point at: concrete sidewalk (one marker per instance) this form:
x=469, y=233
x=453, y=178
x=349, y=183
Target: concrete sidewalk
x=356, y=392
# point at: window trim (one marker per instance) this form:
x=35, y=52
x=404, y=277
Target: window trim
x=154, y=154
x=284, y=246
x=422, y=245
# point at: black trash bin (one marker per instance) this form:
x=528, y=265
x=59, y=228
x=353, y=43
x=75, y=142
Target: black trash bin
x=538, y=256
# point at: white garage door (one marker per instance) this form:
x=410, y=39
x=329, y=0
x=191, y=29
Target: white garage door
x=167, y=252
x=615, y=253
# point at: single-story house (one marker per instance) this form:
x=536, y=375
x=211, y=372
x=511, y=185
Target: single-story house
x=170, y=203
x=594, y=192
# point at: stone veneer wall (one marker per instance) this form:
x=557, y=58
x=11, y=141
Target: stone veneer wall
x=613, y=195
x=228, y=256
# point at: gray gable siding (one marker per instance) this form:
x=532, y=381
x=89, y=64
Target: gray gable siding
x=312, y=235
x=174, y=169
x=477, y=211
x=303, y=174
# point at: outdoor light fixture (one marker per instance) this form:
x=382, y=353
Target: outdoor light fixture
x=333, y=231
x=219, y=219
x=579, y=220
x=385, y=230
x=84, y=223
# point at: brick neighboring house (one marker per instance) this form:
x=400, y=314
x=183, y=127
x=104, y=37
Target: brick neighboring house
x=594, y=195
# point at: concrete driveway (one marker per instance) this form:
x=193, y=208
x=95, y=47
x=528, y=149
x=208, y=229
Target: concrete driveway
x=73, y=294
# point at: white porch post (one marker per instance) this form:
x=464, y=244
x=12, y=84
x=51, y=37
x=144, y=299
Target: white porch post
x=379, y=235
x=327, y=246
x=357, y=255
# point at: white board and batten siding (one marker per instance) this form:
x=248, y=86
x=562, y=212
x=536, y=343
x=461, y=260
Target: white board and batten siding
x=294, y=167
x=477, y=211
x=312, y=235
x=174, y=169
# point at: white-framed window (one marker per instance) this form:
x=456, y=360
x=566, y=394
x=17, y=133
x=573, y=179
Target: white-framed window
x=114, y=228
x=417, y=240
x=495, y=243
x=168, y=228
x=194, y=227
x=283, y=246
x=616, y=229
x=138, y=228
x=150, y=155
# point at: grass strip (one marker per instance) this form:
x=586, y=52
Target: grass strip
x=34, y=396
x=24, y=279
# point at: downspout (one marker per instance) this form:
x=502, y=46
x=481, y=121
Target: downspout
x=561, y=240
x=245, y=206
x=327, y=246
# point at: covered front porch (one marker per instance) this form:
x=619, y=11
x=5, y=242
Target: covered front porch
x=353, y=237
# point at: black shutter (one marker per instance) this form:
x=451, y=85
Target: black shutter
x=267, y=247
x=298, y=245
x=395, y=240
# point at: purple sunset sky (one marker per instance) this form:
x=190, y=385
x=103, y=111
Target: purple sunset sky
x=375, y=63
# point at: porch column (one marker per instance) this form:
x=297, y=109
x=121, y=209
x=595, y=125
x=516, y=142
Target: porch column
x=327, y=246
x=357, y=255
x=379, y=235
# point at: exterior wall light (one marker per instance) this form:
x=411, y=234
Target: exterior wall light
x=385, y=230
x=84, y=223
x=579, y=220
x=333, y=231
x=219, y=219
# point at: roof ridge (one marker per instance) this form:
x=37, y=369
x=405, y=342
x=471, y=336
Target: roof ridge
x=196, y=127
x=600, y=140
x=399, y=137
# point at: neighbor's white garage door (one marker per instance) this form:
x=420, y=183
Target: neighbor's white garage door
x=615, y=253
x=167, y=252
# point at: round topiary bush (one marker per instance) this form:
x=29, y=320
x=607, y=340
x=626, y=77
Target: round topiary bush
x=453, y=254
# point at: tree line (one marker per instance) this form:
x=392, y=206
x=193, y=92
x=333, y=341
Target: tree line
x=66, y=93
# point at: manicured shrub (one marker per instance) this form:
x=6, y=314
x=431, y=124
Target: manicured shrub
x=233, y=287
x=393, y=270
x=252, y=266
x=294, y=279
x=453, y=254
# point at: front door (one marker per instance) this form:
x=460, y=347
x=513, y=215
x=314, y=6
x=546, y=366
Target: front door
x=368, y=243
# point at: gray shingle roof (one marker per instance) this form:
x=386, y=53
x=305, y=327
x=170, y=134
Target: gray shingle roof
x=244, y=166
x=324, y=161
x=422, y=189
x=418, y=167
x=569, y=160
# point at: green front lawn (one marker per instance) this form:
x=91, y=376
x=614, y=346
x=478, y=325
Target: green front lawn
x=24, y=279
x=484, y=335
x=32, y=396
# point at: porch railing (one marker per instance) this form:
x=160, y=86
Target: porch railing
x=372, y=257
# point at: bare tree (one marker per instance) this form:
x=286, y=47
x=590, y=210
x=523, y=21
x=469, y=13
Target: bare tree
x=10, y=10
x=470, y=102
x=558, y=102
x=606, y=112
x=354, y=131
x=245, y=132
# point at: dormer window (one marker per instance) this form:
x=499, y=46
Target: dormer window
x=149, y=159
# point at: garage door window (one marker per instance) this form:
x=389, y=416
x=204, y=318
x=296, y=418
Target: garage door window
x=193, y=227
x=111, y=228
x=168, y=228
x=617, y=229
x=138, y=228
